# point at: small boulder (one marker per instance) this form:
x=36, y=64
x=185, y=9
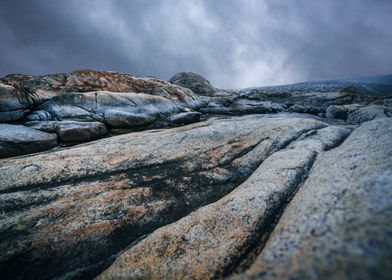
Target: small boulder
x=185, y=118
x=18, y=139
x=76, y=132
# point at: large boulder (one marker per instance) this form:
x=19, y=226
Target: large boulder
x=194, y=82
x=18, y=140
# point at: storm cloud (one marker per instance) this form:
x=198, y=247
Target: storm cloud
x=232, y=43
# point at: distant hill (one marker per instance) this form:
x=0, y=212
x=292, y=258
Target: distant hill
x=373, y=85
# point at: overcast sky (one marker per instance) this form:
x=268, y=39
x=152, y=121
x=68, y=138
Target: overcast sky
x=233, y=43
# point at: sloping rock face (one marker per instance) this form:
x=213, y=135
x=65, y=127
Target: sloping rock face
x=338, y=225
x=213, y=240
x=87, y=203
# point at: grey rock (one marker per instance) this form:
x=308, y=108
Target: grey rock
x=74, y=132
x=194, y=82
x=45, y=126
x=14, y=115
x=306, y=109
x=244, y=106
x=119, y=118
x=18, y=139
x=39, y=115
x=338, y=224
x=13, y=104
x=336, y=112
x=11, y=99
x=185, y=118
x=366, y=113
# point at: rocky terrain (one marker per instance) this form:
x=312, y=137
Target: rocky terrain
x=110, y=176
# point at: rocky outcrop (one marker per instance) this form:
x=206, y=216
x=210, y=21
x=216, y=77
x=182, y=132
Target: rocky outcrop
x=102, y=100
x=19, y=140
x=43, y=87
x=263, y=184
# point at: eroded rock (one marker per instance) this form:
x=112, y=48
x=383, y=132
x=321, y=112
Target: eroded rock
x=338, y=224
x=18, y=140
x=212, y=241
x=74, y=132
x=71, y=210
x=185, y=118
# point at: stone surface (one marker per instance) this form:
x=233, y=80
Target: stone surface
x=244, y=106
x=366, y=113
x=43, y=87
x=74, y=132
x=338, y=225
x=185, y=118
x=39, y=115
x=13, y=104
x=18, y=140
x=119, y=118
x=71, y=210
x=211, y=241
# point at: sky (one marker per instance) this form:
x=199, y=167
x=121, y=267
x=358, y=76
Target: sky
x=232, y=43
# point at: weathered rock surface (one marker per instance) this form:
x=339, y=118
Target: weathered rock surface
x=42, y=87
x=338, y=225
x=366, y=113
x=18, y=140
x=213, y=240
x=89, y=202
x=71, y=131
x=13, y=105
x=185, y=118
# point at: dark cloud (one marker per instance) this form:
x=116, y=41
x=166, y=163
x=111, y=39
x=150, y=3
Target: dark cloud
x=234, y=43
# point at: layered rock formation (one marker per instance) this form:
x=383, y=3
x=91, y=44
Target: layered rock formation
x=265, y=185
